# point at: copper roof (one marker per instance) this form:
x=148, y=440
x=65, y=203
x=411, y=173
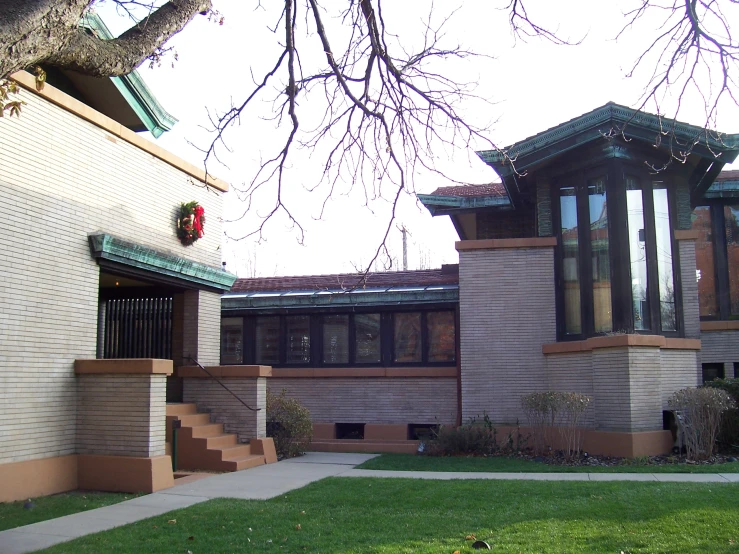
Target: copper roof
x=447, y=275
x=472, y=191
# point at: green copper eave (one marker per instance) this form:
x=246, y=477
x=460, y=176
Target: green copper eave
x=237, y=302
x=132, y=87
x=197, y=275
x=443, y=205
x=596, y=124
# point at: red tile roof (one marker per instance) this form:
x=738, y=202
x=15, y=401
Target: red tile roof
x=447, y=275
x=491, y=189
x=728, y=175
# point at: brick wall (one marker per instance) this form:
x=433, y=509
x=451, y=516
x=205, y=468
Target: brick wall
x=374, y=400
x=62, y=178
x=720, y=347
x=679, y=369
x=224, y=408
x=507, y=312
x=572, y=372
x=121, y=415
x=196, y=328
x=691, y=308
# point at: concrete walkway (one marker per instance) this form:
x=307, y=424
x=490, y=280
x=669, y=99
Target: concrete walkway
x=272, y=480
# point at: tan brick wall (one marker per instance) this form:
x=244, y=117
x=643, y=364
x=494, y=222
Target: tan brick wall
x=679, y=369
x=224, y=408
x=720, y=347
x=196, y=328
x=572, y=372
x=374, y=400
x=507, y=312
x=121, y=415
x=691, y=308
x=62, y=178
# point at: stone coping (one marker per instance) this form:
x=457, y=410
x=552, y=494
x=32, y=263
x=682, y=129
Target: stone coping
x=124, y=366
x=614, y=341
x=342, y=372
x=686, y=234
x=731, y=325
x=492, y=244
x=223, y=371
x=72, y=105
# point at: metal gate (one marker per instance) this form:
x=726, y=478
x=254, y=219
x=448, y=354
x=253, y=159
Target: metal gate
x=138, y=328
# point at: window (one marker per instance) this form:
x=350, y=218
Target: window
x=615, y=268
x=717, y=260
x=232, y=340
x=341, y=339
x=712, y=372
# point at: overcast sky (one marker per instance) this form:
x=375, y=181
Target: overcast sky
x=531, y=86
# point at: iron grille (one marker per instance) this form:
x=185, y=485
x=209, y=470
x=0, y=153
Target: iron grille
x=138, y=328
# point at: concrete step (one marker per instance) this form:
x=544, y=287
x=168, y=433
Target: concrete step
x=243, y=463
x=210, y=430
x=194, y=420
x=179, y=409
x=235, y=452
x=221, y=441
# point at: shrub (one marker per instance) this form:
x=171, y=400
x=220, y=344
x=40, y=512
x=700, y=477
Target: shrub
x=699, y=413
x=571, y=406
x=544, y=409
x=540, y=409
x=729, y=430
x=474, y=437
x=289, y=424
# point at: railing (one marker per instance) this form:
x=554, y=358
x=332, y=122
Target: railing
x=217, y=380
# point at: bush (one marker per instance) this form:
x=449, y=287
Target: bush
x=474, y=437
x=571, y=406
x=542, y=410
x=289, y=424
x=699, y=412
x=729, y=430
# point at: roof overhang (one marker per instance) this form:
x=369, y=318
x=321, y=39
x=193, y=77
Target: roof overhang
x=449, y=205
x=137, y=261
x=125, y=99
x=726, y=188
x=611, y=121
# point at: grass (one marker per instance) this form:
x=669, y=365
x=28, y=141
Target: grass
x=13, y=514
x=412, y=462
x=383, y=516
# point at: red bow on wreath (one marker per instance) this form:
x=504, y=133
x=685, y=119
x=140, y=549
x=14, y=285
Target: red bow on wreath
x=190, y=223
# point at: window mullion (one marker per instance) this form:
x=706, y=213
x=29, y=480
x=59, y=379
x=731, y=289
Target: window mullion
x=586, y=270
x=651, y=253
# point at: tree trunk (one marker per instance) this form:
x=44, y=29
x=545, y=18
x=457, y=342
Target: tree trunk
x=47, y=31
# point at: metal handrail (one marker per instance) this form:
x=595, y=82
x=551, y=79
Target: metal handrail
x=217, y=380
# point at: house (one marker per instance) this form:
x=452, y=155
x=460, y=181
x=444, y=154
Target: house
x=100, y=300
x=604, y=262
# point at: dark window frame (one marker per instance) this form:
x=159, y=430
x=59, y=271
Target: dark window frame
x=387, y=346
x=616, y=172
x=720, y=258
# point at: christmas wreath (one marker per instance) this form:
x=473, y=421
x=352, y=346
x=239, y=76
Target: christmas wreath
x=190, y=222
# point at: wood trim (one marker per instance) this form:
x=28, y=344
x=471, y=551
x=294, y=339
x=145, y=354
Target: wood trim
x=225, y=371
x=134, y=366
x=353, y=372
x=492, y=244
x=686, y=234
x=72, y=105
x=732, y=325
x=615, y=341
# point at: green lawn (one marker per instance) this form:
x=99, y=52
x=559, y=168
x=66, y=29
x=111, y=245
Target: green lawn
x=412, y=462
x=13, y=514
x=350, y=515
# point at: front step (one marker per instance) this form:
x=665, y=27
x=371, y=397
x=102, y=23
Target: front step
x=202, y=445
x=370, y=446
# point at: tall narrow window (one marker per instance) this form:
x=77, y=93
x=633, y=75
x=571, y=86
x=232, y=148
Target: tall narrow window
x=705, y=262
x=298, y=339
x=267, y=343
x=407, y=335
x=336, y=339
x=367, y=338
x=731, y=225
x=232, y=340
x=570, y=260
x=637, y=239
x=663, y=245
x=599, y=248
x=440, y=333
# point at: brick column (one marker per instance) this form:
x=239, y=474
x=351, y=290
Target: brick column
x=196, y=327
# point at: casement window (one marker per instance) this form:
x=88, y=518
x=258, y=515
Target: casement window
x=615, y=267
x=339, y=340
x=717, y=260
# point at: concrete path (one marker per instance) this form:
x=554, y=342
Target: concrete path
x=257, y=483
x=272, y=480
